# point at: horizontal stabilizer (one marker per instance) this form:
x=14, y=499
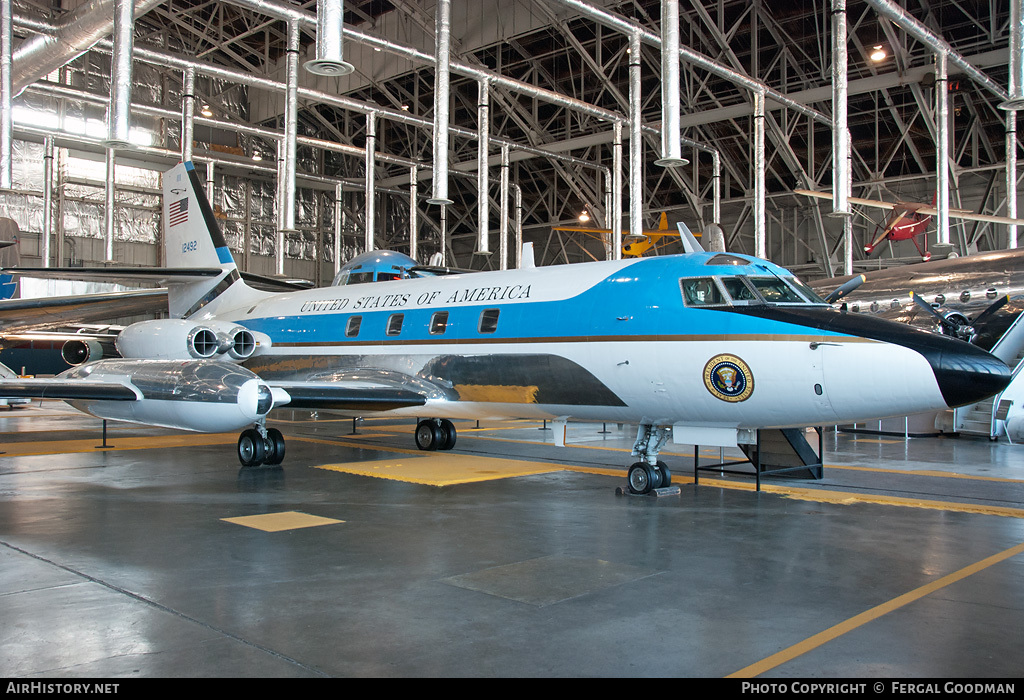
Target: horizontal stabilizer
x=348, y=398
x=147, y=275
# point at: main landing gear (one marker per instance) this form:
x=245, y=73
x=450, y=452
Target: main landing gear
x=649, y=473
x=260, y=445
x=435, y=434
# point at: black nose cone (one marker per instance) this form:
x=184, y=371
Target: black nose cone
x=965, y=374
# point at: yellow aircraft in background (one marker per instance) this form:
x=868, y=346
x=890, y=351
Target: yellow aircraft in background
x=632, y=245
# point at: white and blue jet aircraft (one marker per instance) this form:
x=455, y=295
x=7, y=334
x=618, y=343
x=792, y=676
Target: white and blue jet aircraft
x=703, y=347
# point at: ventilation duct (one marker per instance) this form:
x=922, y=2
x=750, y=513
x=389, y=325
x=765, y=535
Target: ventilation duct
x=80, y=30
x=329, y=61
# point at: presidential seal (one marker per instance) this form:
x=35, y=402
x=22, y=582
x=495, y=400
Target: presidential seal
x=728, y=378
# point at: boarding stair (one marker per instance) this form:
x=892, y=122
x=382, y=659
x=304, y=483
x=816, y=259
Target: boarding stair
x=985, y=418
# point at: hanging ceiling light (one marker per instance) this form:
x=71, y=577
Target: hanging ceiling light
x=584, y=217
x=877, y=53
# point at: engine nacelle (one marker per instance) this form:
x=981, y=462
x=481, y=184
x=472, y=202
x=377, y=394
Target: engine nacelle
x=180, y=339
x=78, y=352
x=198, y=395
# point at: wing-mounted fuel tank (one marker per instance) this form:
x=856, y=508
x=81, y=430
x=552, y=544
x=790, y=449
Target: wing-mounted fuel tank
x=197, y=395
x=181, y=339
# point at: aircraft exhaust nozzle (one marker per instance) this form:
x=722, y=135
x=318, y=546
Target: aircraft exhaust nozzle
x=243, y=345
x=78, y=352
x=202, y=343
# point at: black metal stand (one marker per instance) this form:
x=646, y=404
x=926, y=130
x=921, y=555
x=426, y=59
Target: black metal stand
x=104, y=445
x=759, y=468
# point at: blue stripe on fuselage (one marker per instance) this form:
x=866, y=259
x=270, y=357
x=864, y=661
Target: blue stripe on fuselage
x=641, y=300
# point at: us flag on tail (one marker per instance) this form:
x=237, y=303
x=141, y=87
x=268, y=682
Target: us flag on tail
x=178, y=212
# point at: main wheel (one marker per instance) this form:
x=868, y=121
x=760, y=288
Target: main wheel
x=274, y=447
x=251, y=450
x=641, y=478
x=666, y=475
x=428, y=435
x=448, y=428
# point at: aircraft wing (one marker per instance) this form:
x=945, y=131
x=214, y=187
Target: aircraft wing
x=923, y=209
x=71, y=389
x=19, y=315
x=342, y=397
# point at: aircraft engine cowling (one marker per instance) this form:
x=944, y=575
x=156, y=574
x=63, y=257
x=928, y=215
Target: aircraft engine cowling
x=199, y=395
x=79, y=351
x=181, y=339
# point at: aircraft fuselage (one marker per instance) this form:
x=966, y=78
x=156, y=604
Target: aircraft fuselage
x=614, y=341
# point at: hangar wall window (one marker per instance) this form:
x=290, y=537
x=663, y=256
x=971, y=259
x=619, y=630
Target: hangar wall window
x=352, y=327
x=489, y=320
x=395, y=324
x=438, y=322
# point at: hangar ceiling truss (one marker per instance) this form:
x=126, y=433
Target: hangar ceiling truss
x=557, y=80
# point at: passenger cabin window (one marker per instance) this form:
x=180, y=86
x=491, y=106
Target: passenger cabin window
x=701, y=291
x=438, y=322
x=489, y=320
x=352, y=327
x=395, y=324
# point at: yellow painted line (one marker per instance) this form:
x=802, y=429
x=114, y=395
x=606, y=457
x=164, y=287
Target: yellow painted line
x=278, y=522
x=867, y=616
x=926, y=472
x=117, y=444
x=443, y=469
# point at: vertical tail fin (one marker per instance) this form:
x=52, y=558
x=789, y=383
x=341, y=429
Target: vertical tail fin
x=191, y=232
x=193, y=240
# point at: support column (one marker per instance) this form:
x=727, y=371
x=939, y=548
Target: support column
x=370, y=184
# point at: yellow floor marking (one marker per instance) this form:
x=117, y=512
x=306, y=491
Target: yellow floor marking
x=116, y=444
x=924, y=472
x=277, y=522
x=443, y=469
x=869, y=615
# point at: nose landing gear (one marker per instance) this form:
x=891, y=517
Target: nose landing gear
x=260, y=445
x=649, y=473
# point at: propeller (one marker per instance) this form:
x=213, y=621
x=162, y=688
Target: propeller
x=844, y=289
x=957, y=326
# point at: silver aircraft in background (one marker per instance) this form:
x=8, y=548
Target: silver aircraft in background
x=974, y=297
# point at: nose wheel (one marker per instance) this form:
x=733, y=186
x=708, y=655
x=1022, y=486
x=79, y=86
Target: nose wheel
x=644, y=478
x=260, y=445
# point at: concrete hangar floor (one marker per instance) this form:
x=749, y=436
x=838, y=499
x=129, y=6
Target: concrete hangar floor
x=158, y=556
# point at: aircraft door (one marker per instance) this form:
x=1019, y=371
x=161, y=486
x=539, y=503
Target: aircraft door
x=819, y=353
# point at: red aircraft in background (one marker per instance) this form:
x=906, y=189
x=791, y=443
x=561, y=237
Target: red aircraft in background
x=909, y=220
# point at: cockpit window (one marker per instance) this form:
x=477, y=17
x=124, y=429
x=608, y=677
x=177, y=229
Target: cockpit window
x=739, y=291
x=702, y=291
x=726, y=259
x=775, y=291
x=743, y=291
x=806, y=291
